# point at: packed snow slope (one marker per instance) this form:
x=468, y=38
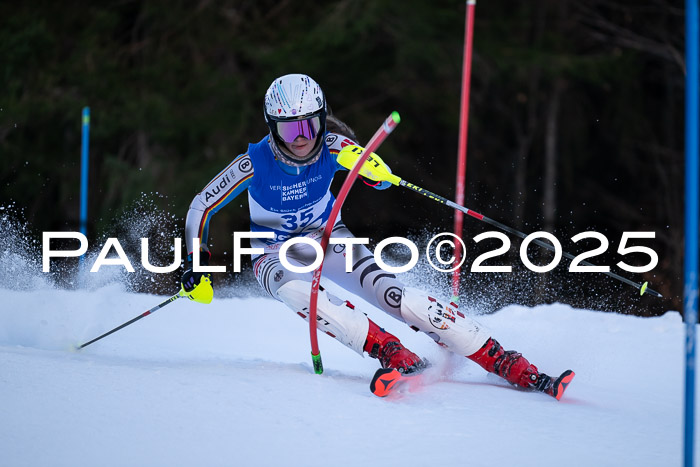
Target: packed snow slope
x=231, y=384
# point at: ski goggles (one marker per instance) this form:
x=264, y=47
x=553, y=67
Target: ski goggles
x=289, y=131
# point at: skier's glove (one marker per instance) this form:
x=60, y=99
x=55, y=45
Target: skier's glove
x=378, y=185
x=374, y=171
x=196, y=285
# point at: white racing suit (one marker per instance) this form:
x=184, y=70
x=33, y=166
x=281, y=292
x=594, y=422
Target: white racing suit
x=291, y=202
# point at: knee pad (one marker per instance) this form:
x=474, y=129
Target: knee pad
x=337, y=318
x=448, y=326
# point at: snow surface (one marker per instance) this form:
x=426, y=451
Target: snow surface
x=231, y=383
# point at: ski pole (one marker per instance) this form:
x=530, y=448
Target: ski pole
x=133, y=320
x=202, y=293
x=643, y=288
x=376, y=170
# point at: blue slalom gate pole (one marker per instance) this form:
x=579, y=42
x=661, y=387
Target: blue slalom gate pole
x=692, y=174
x=84, y=166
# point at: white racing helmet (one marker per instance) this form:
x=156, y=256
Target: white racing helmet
x=295, y=106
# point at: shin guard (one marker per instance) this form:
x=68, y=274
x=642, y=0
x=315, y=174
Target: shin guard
x=448, y=326
x=337, y=318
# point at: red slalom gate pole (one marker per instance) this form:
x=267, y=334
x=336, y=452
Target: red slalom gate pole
x=462, y=149
x=374, y=143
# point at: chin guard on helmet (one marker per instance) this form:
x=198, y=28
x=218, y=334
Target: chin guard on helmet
x=295, y=106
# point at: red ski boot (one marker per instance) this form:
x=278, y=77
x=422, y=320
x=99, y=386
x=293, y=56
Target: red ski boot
x=390, y=352
x=515, y=369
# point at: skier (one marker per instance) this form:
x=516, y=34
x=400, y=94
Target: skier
x=288, y=176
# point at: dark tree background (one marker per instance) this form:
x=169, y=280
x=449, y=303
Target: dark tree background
x=576, y=117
